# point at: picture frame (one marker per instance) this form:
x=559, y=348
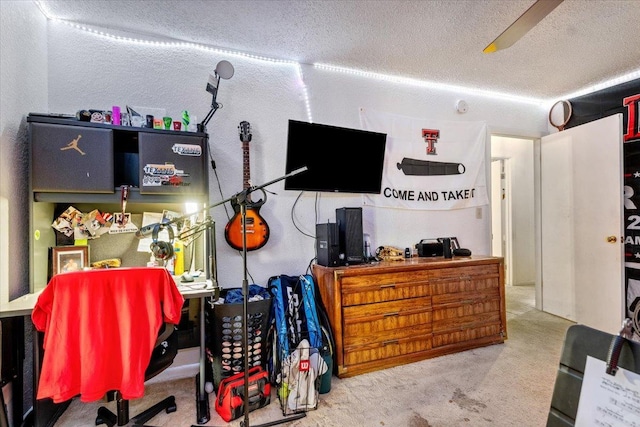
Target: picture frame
x=69, y=258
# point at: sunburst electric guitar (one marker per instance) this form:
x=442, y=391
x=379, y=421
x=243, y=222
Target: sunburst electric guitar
x=257, y=227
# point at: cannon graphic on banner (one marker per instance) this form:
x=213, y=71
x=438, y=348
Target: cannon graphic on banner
x=429, y=168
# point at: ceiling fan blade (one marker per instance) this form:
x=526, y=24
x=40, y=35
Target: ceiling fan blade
x=522, y=25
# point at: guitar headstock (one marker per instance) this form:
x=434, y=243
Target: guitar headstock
x=245, y=131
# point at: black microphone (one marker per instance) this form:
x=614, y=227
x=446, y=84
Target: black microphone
x=224, y=70
x=146, y=231
x=212, y=87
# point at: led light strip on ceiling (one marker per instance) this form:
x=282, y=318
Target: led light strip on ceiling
x=603, y=85
x=179, y=44
x=378, y=76
x=430, y=85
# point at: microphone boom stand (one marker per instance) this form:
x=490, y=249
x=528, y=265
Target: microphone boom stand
x=241, y=198
x=202, y=401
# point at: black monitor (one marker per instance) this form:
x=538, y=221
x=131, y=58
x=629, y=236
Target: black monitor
x=339, y=160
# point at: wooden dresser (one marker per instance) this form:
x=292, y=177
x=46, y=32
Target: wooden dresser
x=392, y=313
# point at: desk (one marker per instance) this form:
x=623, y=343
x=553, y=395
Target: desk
x=46, y=410
x=13, y=313
x=21, y=306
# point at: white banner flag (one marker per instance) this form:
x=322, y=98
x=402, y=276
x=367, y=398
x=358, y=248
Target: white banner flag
x=429, y=164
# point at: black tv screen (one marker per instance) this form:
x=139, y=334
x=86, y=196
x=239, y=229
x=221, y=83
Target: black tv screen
x=339, y=160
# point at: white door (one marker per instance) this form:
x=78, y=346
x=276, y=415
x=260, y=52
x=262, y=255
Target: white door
x=582, y=224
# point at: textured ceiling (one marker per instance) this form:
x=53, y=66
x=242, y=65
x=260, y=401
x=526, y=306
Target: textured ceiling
x=579, y=44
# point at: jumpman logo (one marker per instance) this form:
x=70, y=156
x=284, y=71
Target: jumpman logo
x=73, y=145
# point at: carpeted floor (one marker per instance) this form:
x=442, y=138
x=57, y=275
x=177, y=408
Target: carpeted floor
x=507, y=384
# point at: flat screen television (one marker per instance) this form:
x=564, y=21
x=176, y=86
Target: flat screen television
x=339, y=160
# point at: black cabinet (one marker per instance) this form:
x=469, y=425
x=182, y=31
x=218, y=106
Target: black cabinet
x=71, y=158
x=171, y=164
x=86, y=165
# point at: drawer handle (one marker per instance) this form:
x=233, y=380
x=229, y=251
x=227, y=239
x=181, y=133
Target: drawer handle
x=391, y=285
x=388, y=342
x=394, y=313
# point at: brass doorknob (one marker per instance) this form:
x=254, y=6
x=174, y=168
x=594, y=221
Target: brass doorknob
x=612, y=239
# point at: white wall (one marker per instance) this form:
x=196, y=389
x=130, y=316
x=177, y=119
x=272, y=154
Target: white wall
x=23, y=88
x=521, y=171
x=89, y=71
x=51, y=67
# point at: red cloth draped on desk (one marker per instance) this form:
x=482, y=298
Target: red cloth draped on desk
x=100, y=328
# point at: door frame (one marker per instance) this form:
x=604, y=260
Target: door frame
x=502, y=209
x=533, y=254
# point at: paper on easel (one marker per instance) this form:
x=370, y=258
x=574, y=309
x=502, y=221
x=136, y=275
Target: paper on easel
x=608, y=400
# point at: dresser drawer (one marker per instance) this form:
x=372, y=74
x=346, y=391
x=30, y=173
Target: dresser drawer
x=462, y=316
x=372, y=288
x=388, y=345
x=477, y=333
x=467, y=293
x=465, y=279
x=365, y=321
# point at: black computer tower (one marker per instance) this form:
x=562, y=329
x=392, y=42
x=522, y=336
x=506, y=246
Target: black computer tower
x=327, y=245
x=349, y=222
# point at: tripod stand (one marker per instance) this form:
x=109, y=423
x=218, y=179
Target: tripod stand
x=203, y=413
x=241, y=199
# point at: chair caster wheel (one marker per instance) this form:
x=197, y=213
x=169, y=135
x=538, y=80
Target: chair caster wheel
x=106, y=417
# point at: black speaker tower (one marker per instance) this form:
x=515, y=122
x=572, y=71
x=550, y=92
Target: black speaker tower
x=349, y=222
x=327, y=244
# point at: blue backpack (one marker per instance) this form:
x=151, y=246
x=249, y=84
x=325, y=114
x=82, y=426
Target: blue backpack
x=294, y=312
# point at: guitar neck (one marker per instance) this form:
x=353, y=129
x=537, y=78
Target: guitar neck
x=246, y=167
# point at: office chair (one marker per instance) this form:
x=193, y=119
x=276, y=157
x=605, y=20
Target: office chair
x=580, y=342
x=102, y=327
x=164, y=351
